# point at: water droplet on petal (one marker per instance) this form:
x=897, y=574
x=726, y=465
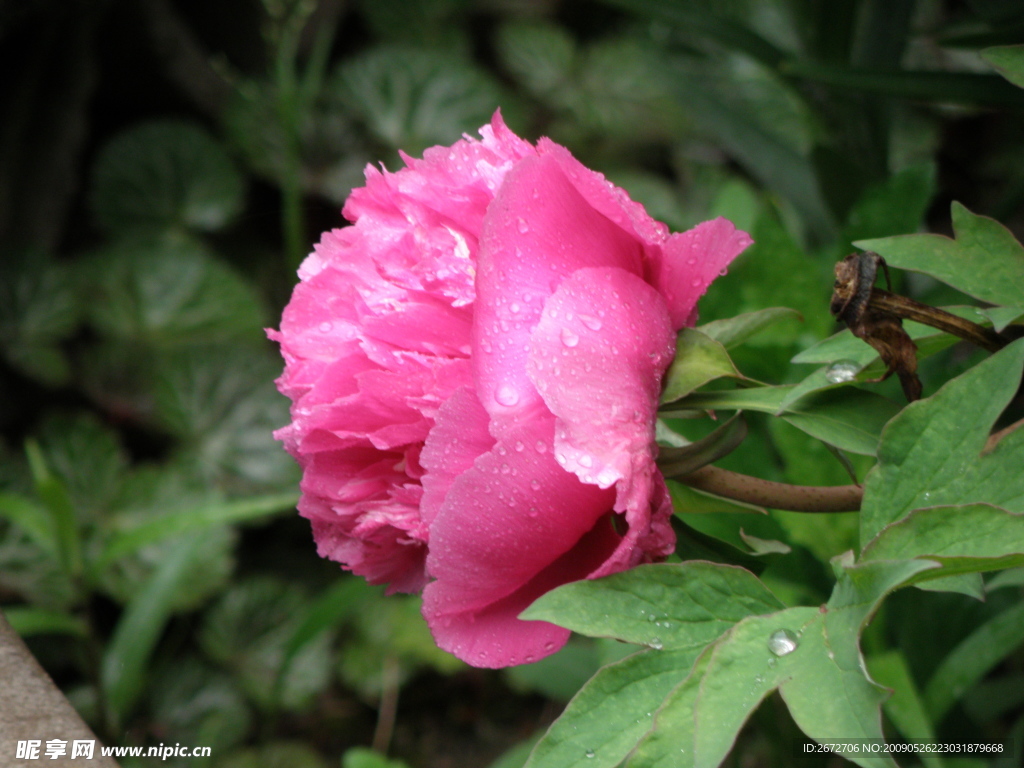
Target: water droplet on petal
x=535, y=484
x=842, y=371
x=523, y=226
x=586, y=460
x=514, y=308
x=506, y=395
x=542, y=447
x=569, y=337
x=782, y=642
x=519, y=446
x=326, y=326
x=591, y=322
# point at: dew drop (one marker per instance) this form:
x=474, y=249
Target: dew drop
x=569, y=337
x=842, y=371
x=535, y=484
x=593, y=323
x=589, y=753
x=506, y=395
x=326, y=326
x=655, y=643
x=519, y=446
x=523, y=226
x=542, y=447
x=782, y=642
x=586, y=460
x=514, y=308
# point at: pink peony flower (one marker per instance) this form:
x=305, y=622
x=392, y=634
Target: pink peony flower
x=475, y=367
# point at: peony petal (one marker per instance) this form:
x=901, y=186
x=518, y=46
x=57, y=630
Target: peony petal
x=506, y=519
x=458, y=437
x=493, y=635
x=538, y=231
x=691, y=261
x=597, y=358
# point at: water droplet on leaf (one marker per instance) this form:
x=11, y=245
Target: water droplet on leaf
x=842, y=371
x=782, y=642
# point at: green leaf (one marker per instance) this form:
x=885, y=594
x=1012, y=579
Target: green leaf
x=54, y=495
x=849, y=419
x=126, y=658
x=39, y=621
x=165, y=175
x=733, y=331
x=904, y=708
x=1008, y=60
x=612, y=712
x=687, y=501
x=38, y=310
x=894, y=207
x=248, y=631
x=413, y=98
x=964, y=539
x=984, y=261
x=32, y=519
x=1002, y=316
x=169, y=291
x=664, y=606
x=192, y=520
x=978, y=653
x=699, y=359
x=932, y=453
x=361, y=757
x=541, y=56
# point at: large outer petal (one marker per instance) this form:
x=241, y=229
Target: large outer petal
x=538, y=231
x=502, y=534
x=690, y=261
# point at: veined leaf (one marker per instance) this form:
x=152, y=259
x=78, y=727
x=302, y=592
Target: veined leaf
x=699, y=359
x=933, y=453
x=984, y=261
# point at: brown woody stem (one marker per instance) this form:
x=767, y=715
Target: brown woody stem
x=766, y=493
x=906, y=308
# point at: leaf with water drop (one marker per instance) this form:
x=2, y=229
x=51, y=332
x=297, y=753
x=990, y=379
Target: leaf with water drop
x=678, y=606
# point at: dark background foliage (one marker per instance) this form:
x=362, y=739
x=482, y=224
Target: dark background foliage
x=166, y=164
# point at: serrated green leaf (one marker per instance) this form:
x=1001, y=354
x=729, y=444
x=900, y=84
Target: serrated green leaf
x=984, y=261
x=733, y=331
x=972, y=658
x=964, y=539
x=413, y=99
x=664, y=606
x=931, y=454
x=163, y=175
x=167, y=292
x=39, y=308
x=1008, y=60
x=699, y=359
x=540, y=56
x=612, y=712
x=904, y=708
